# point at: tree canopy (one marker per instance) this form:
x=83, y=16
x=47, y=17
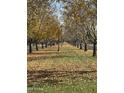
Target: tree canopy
x=74, y=20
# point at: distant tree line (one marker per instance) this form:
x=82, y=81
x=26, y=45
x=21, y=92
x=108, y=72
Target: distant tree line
x=81, y=23
x=42, y=27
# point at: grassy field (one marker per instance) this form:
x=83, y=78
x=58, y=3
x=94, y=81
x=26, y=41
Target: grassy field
x=69, y=71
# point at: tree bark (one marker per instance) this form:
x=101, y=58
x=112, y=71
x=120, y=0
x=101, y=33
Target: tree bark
x=77, y=45
x=51, y=44
x=85, y=47
x=30, y=47
x=58, y=46
x=46, y=45
x=94, y=49
x=36, y=46
x=58, y=40
x=42, y=45
x=80, y=45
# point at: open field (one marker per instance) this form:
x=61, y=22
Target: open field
x=70, y=70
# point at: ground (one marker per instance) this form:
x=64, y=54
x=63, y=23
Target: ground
x=71, y=70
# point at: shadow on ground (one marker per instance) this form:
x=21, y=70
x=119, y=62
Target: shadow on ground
x=54, y=77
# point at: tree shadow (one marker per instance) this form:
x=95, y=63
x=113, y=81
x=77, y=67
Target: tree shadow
x=52, y=57
x=43, y=53
x=51, y=76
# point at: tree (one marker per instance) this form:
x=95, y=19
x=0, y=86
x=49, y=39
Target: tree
x=40, y=23
x=82, y=13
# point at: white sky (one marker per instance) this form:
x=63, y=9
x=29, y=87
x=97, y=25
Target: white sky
x=58, y=6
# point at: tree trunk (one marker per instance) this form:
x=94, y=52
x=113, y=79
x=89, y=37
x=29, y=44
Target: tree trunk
x=85, y=47
x=58, y=45
x=80, y=45
x=94, y=49
x=46, y=45
x=42, y=45
x=61, y=43
x=58, y=40
x=30, y=47
x=36, y=46
x=77, y=44
x=51, y=44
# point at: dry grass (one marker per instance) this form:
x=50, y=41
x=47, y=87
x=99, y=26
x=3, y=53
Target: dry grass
x=69, y=66
x=69, y=58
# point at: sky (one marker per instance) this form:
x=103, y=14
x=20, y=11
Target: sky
x=58, y=6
